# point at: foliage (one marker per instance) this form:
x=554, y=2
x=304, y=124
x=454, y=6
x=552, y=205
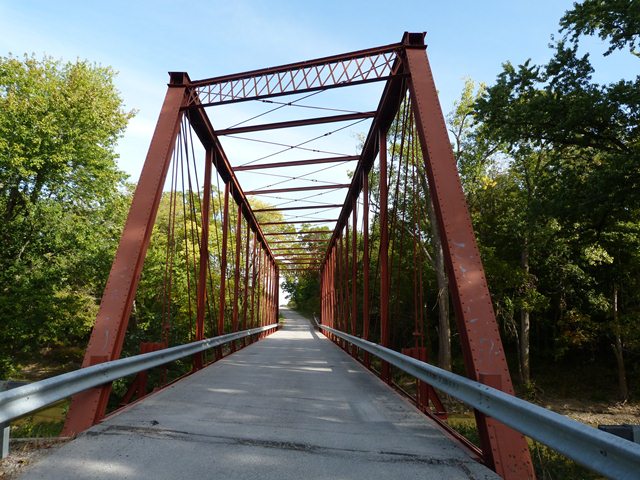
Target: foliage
x=571, y=191
x=62, y=198
x=617, y=21
x=303, y=288
x=548, y=464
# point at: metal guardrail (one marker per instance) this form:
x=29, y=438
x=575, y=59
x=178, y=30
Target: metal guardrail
x=23, y=400
x=602, y=452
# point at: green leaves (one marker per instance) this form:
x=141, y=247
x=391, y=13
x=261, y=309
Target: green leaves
x=617, y=21
x=61, y=198
x=569, y=187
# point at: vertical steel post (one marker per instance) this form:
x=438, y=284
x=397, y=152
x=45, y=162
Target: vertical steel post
x=354, y=272
x=259, y=289
x=341, y=289
x=384, y=252
x=107, y=337
x=245, y=301
x=346, y=277
x=223, y=260
x=336, y=291
x=277, y=292
x=267, y=292
x=204, y=256
x=236, y=276
x=254, y=261
x=365, y=263
x=505, y=450
x=5, y=438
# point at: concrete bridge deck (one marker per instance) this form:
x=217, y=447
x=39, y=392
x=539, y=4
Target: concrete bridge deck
x=291, y=406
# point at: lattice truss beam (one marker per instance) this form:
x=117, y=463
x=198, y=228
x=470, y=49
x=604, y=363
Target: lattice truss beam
x=350, y=69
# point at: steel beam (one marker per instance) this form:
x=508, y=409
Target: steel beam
x=296, y=123
x=199, y=120
x=372, y=65
x=245, y=298
x=107, y=336
x=296, y=163
x=384, y=252
x=223, y=259
x=306, y=207
x=319, y=220
x=296, y=232
x=288, y=248
x=311, y=240
x=505, y=449
x=236, y=271
x=354, y=272
x=388, y=106
x=332, y=186
x=201, y=291
x=365, y=262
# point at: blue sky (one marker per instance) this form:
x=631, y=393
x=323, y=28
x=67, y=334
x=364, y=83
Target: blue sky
x=143, y=40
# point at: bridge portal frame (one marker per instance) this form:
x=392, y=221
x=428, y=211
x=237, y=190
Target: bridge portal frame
x=403, y=67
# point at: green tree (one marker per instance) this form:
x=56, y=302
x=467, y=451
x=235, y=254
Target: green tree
x=617, y=21
x=587, y=186
x=62, y=198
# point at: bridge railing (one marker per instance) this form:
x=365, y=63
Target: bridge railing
x=602, y=452
x=27, y=399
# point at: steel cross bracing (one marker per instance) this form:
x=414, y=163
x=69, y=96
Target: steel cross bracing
x=326, y=224
x=354, y=68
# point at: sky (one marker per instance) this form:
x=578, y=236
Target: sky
x=143, y=40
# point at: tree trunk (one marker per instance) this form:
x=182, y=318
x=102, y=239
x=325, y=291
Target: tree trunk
x=444, y=328
x=623, y=389
x=525, y=322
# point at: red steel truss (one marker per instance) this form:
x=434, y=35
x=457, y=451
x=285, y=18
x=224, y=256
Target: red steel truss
x=249, y=292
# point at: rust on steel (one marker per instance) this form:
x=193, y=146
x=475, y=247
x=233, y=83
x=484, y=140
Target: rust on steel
x=295, y=232
x=508, y=452
x=201, y=125
x=332, y=186
x=236, y=271
x=384, y=251
x=289, y=248
x=108, y=334
x=354, y=272
x=297, y=163
x=388, y=106
x=296, y=123
x=310, y=240
x=402, y=66
x=365, y=262
x=223, y=259
x=316, y=220
x=306, y=207
x=363, y=66
x=204, y=255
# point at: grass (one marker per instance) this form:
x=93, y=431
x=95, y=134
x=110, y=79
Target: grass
x=548, y=464
x=44, y=423
x=35, y=429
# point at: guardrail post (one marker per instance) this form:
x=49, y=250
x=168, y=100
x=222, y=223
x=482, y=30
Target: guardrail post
x=4, y=439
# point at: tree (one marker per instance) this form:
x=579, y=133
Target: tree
x=62, y=198
x=588, y=184
x=617, y=21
